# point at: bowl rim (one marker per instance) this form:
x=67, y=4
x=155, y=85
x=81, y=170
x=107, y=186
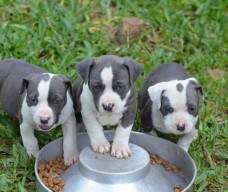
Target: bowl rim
x=111, y=131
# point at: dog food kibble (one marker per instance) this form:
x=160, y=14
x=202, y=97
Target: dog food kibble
x=50, y=174
x=155, y=159
x=177, y=189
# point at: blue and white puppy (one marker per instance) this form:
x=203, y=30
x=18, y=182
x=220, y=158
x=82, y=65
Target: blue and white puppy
x=105, y=96
x=169, y=101
x=40, y=101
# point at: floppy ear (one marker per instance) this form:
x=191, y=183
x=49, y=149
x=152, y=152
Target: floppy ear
x=199, y=91
x=67, y=83
x=25, y=82
x=24, y=85
x=197, y=87
x=84, y=67
x=134, y=68
x=155, y=93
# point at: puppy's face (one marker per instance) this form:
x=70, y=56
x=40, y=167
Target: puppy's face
x=110, y=87
x=178, y=103
x=110, y=79
x=46, y=95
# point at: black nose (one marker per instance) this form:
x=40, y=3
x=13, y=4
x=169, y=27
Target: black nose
x=108, y=107
x=181, y=127
x=44, y=120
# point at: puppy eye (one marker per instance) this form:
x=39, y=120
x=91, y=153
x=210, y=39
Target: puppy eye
x=169, y=109
x=33, y=100
x=118, y=87
x=57, y=101
x=191, y=108
x=98, y=86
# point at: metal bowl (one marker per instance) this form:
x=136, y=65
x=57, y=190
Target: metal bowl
x=101, y=172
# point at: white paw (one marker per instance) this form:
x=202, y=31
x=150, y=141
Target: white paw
x=70, y=156
x=101, y=146
x=120, y=151
x=33, y=151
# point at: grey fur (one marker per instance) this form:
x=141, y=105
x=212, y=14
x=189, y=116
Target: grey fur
x=180, y=87
x=57, y=96
x=193, y=94
x=125, y=72
x=166, y=107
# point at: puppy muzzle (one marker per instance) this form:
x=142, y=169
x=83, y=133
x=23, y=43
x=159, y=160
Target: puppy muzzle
x=108, y=107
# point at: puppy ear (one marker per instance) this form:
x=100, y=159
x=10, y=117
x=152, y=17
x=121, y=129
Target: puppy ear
x=155, y=93
x=134, y=68
x=25, y=82
x=84, y=67
x=67, y=83
x=24, y=85
x=197, y=87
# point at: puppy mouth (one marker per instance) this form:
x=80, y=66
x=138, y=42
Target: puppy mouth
x=43, y=127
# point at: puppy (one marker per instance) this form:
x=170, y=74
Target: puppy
x=168, y=103
x=105, y=96
x=40, y=101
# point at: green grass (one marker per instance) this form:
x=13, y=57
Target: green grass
x=56, y=34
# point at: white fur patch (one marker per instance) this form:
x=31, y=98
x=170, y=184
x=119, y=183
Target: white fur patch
x=70, y=151
x=29, y=140
x=185, y=141
x=168, y=124
x=120, y=146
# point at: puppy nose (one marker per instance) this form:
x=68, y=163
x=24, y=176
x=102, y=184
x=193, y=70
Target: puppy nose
x=181, y=127
x=108, y=107
x=44, y=120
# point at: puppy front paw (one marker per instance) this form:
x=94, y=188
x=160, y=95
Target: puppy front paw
x=33, y=151
x=120, y=151
x=70, y=156
x=101, y=146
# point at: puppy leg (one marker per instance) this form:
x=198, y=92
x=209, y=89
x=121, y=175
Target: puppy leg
x=120, y=146
x=187, y=139
x=98, y=140
x=29, y=140
x=70, y=151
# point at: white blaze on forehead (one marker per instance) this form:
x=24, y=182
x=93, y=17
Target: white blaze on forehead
x=43, y=88
x=107, y=77
x=42, y=108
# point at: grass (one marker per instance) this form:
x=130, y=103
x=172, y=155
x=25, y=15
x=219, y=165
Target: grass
x=56, y=34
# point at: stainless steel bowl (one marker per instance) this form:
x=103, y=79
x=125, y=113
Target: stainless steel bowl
x=101, y=172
